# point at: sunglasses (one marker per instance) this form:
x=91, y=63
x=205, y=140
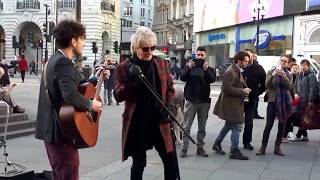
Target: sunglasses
x=146, y=49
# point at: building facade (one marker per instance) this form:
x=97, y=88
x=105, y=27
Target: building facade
x=22, y=21
x=134, y=13
x=173, y=25
x=307, y=36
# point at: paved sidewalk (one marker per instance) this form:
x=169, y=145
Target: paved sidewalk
x=302, y=160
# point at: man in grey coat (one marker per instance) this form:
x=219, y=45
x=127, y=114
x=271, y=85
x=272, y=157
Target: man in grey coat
x=230, y=105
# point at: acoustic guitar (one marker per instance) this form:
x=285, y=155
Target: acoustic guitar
x=82, y=126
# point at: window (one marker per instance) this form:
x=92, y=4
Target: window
x=142, y=23
x=149, y=13
x=143, y=1
x=127, y=11
x=142, y=12
x=149, y=25
x=126, y=23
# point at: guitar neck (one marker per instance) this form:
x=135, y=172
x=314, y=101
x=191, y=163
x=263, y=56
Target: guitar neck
x=98, y=86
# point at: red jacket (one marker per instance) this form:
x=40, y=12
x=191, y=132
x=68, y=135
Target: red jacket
x=123, y=93
x=23, y=65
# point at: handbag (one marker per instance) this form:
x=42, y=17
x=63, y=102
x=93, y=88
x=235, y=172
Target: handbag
x=311, y=118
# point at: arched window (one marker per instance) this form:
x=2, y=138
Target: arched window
x=315, y=36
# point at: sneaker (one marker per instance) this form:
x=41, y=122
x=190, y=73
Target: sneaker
x=183, y=153
x=290, y=135
x=305, y=138
x=202, y=152
x=217, y=148
x=284, y=140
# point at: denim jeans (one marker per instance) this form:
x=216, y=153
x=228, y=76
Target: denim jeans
x=235, y=134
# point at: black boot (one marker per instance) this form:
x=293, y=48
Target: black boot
x=236, y=154
x=217, y=148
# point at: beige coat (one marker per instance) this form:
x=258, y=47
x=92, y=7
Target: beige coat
x=230, y=104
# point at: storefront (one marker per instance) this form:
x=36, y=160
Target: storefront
x=220, y=45
x=275, y=37
x=307, y=36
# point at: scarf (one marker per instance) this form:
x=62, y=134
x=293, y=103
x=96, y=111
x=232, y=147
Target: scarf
x=283, y=98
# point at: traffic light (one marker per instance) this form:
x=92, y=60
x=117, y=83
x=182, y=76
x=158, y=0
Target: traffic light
x=116, y=47
x=45, y=29
x=30, y=37
x=14, y=42
x=94, y=47
x=51, y=27
x=40, y=43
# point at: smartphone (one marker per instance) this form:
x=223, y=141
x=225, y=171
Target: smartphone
x=199, y=62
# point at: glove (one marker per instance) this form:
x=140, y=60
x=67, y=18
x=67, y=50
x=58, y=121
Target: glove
x=135, y=70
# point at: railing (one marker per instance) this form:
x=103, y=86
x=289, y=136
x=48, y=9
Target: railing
x=67, y=4
x=28, y=4
x=107, y=5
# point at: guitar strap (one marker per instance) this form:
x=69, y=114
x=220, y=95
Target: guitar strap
x=46, y=85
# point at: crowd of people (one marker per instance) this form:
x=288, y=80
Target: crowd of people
x=145, y=84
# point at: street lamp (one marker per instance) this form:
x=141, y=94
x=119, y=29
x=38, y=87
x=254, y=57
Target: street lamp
x=47, y=33
x=258, y=15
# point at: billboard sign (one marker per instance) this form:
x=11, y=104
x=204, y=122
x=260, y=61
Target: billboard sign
x=212, y=14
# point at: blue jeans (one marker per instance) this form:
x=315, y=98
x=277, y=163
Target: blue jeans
x=235, y=134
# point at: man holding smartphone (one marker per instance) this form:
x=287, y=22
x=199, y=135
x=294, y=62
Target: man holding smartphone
x=198, y=75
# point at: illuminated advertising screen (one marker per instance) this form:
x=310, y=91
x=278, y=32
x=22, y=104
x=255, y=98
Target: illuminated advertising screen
x=314, y=4
x=272, y=8
x=211, y=14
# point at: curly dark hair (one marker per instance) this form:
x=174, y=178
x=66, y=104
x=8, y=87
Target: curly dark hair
x=240, y=56
x=66, y=30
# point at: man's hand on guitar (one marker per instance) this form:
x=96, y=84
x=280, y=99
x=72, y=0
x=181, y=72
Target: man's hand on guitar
x=96, y=105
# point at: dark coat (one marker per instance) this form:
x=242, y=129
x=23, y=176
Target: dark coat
x=306, y=85
x=5, y=80
x=197, y=88
x=109, y=83
x=125, y=91
x=255, y=78
x=63, y=80
x=230, y=104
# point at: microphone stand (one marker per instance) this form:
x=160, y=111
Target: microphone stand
x=157, y=96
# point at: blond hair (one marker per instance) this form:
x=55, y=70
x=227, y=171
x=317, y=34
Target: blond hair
x=143, y=35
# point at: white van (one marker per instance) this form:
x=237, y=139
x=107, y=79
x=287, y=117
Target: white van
x=267, y=62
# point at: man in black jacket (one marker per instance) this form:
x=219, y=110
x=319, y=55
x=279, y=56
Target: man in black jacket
x=255, y=78
x=63, y=79
x=198, y=75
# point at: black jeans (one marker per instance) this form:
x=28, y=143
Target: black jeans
x=249, y=109
x=22, y=75
x=140, y=161
x=271, y=114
